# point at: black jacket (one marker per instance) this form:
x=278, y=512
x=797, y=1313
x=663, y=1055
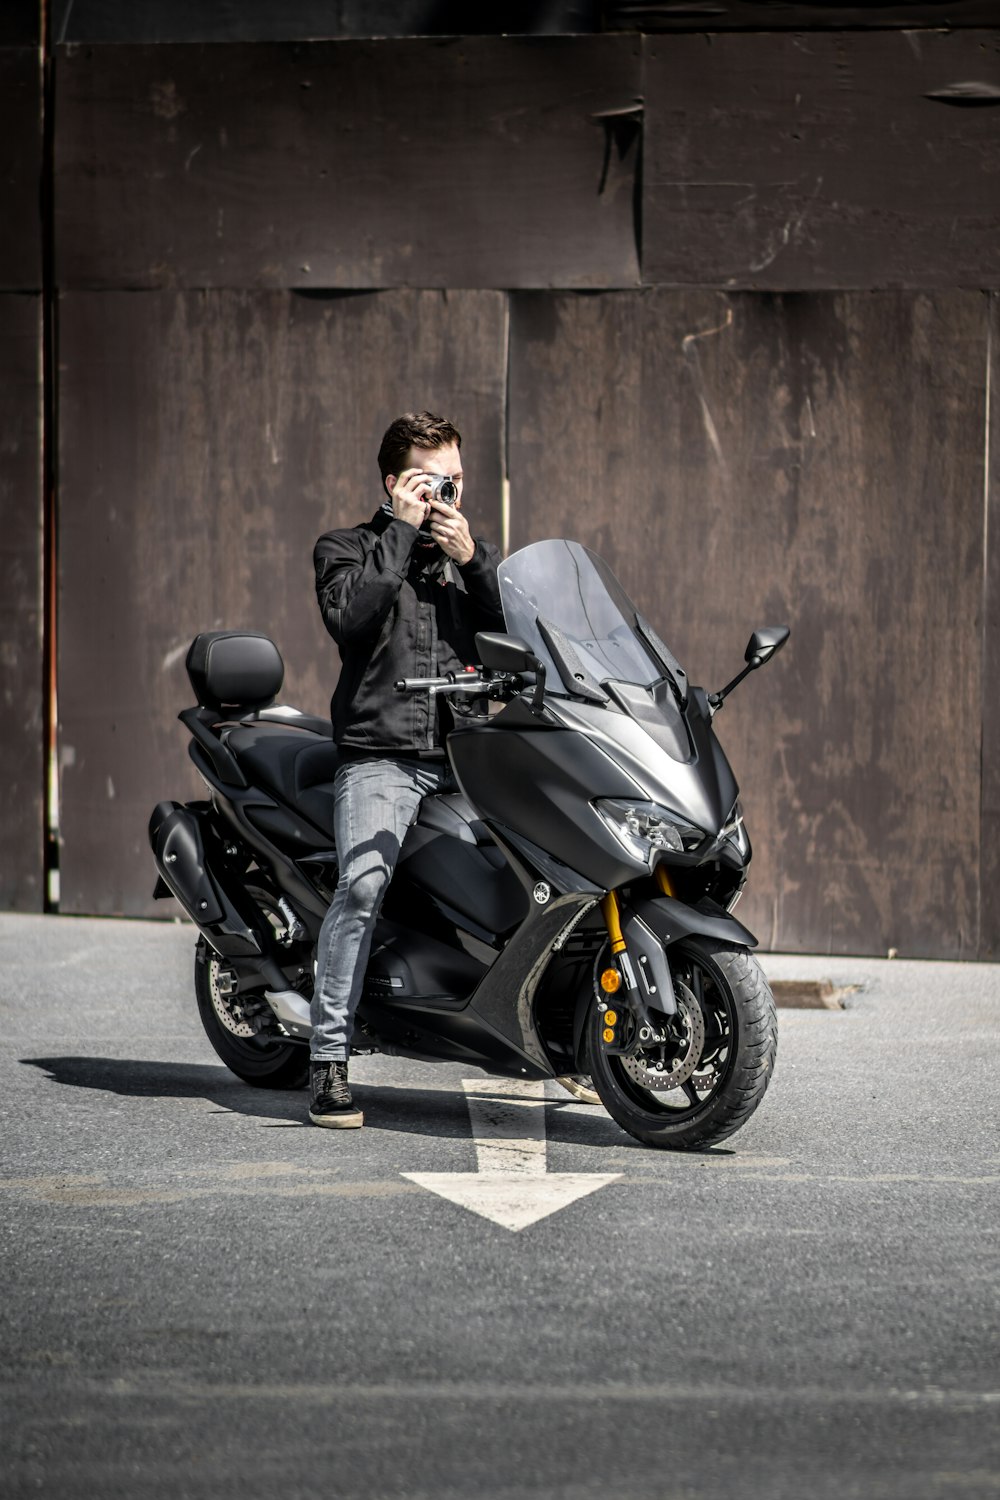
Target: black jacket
x=397, y=609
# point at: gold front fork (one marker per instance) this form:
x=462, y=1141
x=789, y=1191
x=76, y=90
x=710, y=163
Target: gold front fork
x=612, y=913
x=613, y=922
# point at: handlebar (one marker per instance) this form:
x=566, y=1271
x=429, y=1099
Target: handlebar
x=472, y=677
x=472, y=682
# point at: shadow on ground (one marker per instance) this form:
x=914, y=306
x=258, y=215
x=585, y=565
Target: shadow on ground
x=438, y=1112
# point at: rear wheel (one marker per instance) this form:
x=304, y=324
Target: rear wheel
x=706, y=1081
x=240, y=1024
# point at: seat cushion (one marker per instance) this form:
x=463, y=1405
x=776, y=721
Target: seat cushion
x=296, y=765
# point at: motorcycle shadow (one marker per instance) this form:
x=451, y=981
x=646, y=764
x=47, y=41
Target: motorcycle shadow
x=440, y=1112
x=444, y=1112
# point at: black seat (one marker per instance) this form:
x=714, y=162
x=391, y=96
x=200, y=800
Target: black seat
x=293, y=763
x=300, y=766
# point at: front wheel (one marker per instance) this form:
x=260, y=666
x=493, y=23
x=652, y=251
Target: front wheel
x=707, y=1080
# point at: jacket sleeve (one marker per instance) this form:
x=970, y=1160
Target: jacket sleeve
x=356, y=588
x=479, y=575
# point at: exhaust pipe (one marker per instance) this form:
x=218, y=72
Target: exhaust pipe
x=226, y=918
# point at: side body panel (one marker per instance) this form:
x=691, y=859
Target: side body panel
x=540, y=785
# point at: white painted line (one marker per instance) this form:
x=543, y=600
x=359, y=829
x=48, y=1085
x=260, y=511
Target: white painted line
x=512, y=1186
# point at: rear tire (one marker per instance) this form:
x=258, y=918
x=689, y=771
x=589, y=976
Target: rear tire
x=266, y=1062
x=725, y=1082
x=259, y=1060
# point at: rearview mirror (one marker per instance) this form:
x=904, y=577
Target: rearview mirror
x=764, y=643
x=504, y=653
x=760, y=648
x=508, y=653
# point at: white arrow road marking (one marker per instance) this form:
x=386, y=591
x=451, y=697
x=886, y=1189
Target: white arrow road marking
x=512, y=1186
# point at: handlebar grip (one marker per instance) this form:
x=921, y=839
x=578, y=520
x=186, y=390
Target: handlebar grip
x=453, y=679
x=414, y=684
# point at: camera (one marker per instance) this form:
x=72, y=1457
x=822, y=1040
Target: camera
x=442, y=488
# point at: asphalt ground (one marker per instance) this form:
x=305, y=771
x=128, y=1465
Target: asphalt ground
x=202, y=1295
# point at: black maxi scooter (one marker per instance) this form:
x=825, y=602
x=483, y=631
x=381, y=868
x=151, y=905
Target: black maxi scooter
x=568, y=912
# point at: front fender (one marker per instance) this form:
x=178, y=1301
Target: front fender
x=666, y=921
x=671, y=920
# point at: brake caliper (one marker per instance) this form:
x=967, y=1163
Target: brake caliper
x=626, y=1025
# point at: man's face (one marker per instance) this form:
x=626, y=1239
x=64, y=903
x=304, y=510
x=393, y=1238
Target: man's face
x=446, y=461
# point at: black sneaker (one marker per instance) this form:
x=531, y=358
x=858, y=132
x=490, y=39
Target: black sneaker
x=330, y=1102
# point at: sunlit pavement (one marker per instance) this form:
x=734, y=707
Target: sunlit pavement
x=204, y=1295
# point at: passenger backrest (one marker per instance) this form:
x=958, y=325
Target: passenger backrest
x=234, y=670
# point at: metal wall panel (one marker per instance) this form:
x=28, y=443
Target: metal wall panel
x=821, y=161
x=817, y=460
x=989, y=875
x=465, y=163
x=284, y=20
x=206, y=440
x=22, y=752
x=20, y=23
x=20, y=169
x=784, y=15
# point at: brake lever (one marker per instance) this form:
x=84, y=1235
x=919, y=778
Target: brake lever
x=474, y=688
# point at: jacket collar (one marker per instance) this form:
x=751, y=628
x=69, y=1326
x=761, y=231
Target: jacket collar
x=426, y=559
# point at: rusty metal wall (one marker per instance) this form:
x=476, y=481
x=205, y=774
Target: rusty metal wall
x=786, y=161
x=206, y=440
x=22, y=758
x=989, y=862
x=817, y=460
x=309, y=20
x=22, y=754
x=667, y=338
x=328, y=166
x=20, y=23
x=283, y=20
x=20, y=169
x=656, y=16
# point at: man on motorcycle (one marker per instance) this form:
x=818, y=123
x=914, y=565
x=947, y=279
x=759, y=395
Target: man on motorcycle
x=403, y=595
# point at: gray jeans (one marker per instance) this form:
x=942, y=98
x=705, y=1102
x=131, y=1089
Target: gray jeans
x=375, y=803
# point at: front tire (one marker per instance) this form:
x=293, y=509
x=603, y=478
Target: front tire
x=731, y=1027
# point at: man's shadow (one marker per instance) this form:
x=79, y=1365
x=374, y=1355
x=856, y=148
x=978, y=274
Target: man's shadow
x=142, y=1079
x=411, y=1111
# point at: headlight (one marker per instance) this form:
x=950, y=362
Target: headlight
x=735, y=831
x=646, y=828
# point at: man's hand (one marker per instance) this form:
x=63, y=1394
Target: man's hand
x=409, y=497
x=450, y=530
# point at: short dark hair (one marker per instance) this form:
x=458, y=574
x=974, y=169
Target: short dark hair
x=414, y=429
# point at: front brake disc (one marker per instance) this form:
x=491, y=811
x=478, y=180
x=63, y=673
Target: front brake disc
x=651, y=1069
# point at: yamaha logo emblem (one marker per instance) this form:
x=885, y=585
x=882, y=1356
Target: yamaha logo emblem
x=542, y=892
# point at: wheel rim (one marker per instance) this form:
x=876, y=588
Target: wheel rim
x=240, y=1013
x=702, y=1060
x=226, y=1003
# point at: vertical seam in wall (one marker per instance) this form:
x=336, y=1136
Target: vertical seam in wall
x=640, y=153
x=50, y=585
x=505, y=481
x=984, y=631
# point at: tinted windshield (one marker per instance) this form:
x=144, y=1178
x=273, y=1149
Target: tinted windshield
x=569, y=607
